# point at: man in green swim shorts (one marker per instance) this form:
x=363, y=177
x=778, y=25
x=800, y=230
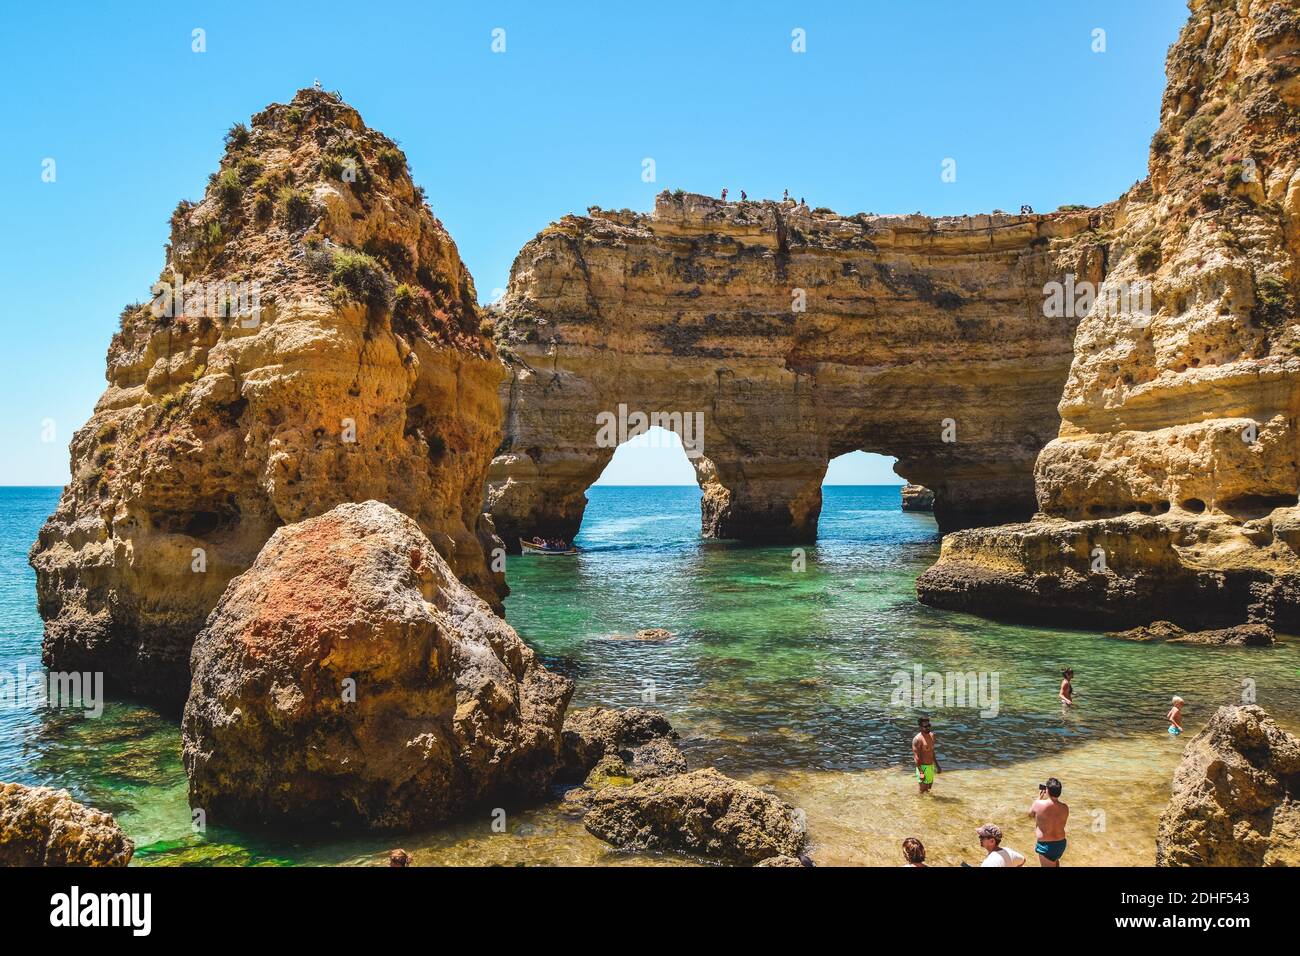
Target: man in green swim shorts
x=927, y=765
x=1049, y=815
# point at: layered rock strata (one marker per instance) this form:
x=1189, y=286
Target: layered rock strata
x=917, y=498
x=349, y=678
x=356, y=370
x=772, y=338
x=1171, y=489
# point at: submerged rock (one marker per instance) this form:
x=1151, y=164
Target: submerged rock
x=700, y=812
x=1146, y=633
x=595, y=732
x=1239, y=635
x=774, y=861
x=40, y=826
x=1236, y=796
x=348, y=677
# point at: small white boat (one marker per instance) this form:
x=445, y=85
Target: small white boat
x=528, y=547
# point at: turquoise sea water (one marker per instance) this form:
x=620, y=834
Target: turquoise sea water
x=784, y=667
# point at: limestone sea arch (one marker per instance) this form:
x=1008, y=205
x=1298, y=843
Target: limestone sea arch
x=793, y=335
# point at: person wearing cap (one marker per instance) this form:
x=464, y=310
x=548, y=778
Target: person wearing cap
x=990, y=836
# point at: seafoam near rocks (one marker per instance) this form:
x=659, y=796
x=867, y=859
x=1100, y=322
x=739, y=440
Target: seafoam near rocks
x=363, y=374
x=349, y=678
x=1170, y=491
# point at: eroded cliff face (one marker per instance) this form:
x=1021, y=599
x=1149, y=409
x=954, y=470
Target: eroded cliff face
x=774, y=338
x=1171, y=489
x=364, y=375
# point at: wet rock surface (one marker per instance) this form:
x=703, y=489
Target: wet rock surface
x=1239, y=635
x=700, y=812
x=44, y=827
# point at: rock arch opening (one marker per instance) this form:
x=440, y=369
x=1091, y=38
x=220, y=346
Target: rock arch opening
x=791, y=337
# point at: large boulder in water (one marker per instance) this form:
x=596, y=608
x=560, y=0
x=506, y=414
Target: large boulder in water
x=348, y=677
x=44, y=827
x=700, y=812
x=637, y=736
x=1235, y=796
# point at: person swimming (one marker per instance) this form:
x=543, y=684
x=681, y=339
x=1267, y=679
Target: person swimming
x=1175, y=716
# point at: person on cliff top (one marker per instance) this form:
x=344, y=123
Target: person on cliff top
x=927, y=764
x=785, y=196
x=1049, y=815
x=1067, y=688
x=743, y=197
x=990, y=837
x=1175, y=716
x=913, y=852
x=724, y=193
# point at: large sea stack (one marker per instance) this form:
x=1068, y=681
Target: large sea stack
x=1170, y=491
x=357, y=370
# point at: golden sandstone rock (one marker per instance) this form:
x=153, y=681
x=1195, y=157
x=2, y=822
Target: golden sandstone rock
x=1171, y=488
x=1151, y=434
x=773, y=338
x=363, y=375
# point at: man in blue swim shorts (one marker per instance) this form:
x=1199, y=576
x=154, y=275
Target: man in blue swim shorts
x=1049, y=815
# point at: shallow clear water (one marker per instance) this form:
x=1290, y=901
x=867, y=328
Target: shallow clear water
x=780, y=675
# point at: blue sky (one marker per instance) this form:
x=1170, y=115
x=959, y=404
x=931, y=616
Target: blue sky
x=506, y=142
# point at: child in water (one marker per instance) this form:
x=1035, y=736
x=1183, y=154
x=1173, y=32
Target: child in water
x=1067, y=688
x=1175, y=712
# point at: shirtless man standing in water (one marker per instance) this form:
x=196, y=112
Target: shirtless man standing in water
x=1049, y=815
x=927, y=765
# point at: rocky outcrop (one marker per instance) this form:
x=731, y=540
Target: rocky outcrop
x=349, y=678
x=1170, y=491
x=771, y=338
x=44, y=827
x=1239, y=635
x=701, y=812
x=1236, y=796
x=917, y=498
x=631, y=735
x=357, y=370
